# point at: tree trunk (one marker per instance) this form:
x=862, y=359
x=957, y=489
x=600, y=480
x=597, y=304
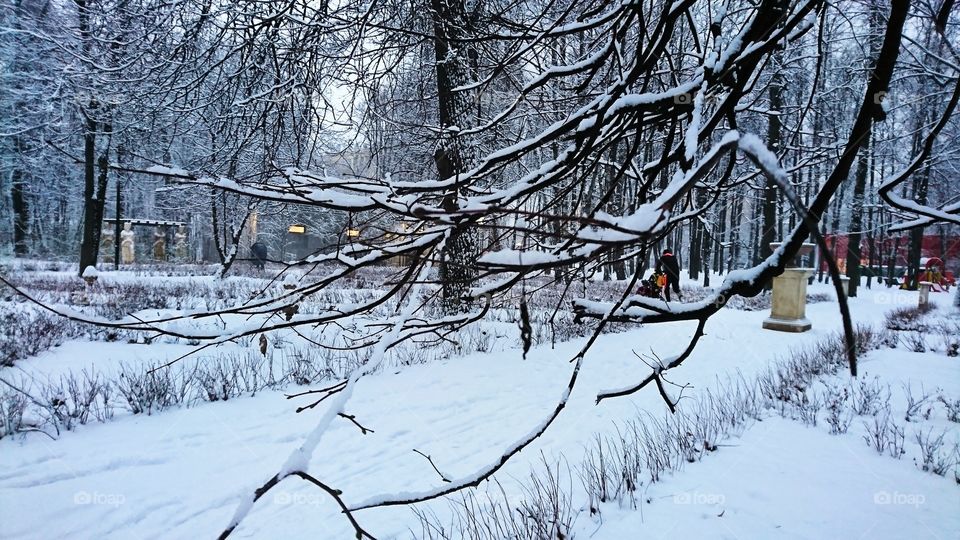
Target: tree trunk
x=721, y=238
x=19, y=202
x=892, y=260
x=91, y=228
x=856, y=224
x=696, y=236
x=19, y=174
x=94, y=188
x=735, y=228
x=854, y=253
x=117, y=226
x=452, y=29
x=706, y=245
x=769, y=227
x=916, y=234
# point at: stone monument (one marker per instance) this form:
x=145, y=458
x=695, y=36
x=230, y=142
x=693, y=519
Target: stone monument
x=107, y=244
x=127, y=254
x=789, y=310
x=180, y=248
x=160, y=244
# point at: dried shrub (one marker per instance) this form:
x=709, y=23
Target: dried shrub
x=13, y=405
x=934, y=457
x=869, y=396
x=949, y=334
x=908, y=318
x=544, y=512
x=837, y=404
x=952, y=407
x=918, y=407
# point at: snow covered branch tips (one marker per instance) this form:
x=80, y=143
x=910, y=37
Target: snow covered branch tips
x=333, y=202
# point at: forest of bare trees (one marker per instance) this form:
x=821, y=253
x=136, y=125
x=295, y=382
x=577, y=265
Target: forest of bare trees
x=101, y=91
x=488, y=142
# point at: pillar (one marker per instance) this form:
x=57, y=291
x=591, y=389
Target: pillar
x=789, y=310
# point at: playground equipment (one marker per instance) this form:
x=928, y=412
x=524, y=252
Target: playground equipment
x=935, y=274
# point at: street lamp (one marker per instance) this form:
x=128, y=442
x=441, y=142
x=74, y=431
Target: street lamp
x=297, y=238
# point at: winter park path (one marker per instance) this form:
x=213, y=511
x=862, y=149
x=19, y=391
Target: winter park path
x=181, y=473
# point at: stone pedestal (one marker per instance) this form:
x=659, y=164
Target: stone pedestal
x=789, y=311
x=924, y=293
x=845, y=284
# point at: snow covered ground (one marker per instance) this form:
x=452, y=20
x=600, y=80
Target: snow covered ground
x=181, y=473
x=781, y=479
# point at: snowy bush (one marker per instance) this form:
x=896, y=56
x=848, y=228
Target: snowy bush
x=915, y=340
x=895, y=443
x=918, y=407
x=543, y=512
x=949, y=332
x=75, y=400
x=785, y=385
x=807, y=406
x=867, y=339
x=27, y=332
x=72, y=400
x=952, y=407
x=647, y=446
x=13, y=404
x=934, y=457
x=146, y=390
x=218, y=380
x=837, y=405
x=876, y=435
x=869, y=396
x=908, y=318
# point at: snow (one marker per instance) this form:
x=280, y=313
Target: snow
x=752, y=144
x=168, y=171
x=781, y=479
x=691, y=137
x=299, y=459
x=185, y=472
x=512, y=257
x=636, y=100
